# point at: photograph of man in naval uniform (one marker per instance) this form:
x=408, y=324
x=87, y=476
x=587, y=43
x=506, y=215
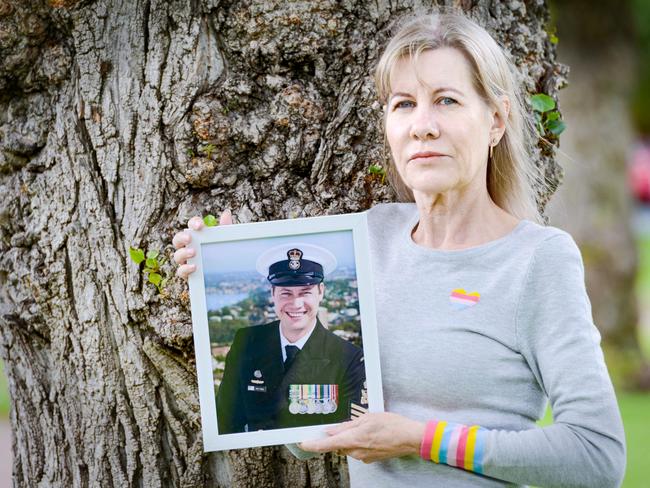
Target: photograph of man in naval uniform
x=291, y=372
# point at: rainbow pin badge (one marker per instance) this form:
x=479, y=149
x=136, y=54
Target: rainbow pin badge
x=460, y=299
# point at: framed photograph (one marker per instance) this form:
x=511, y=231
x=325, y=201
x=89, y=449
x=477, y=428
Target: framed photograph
x=284, y=329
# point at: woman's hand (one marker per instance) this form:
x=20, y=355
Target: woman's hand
x=372, y=437
x=182, y=239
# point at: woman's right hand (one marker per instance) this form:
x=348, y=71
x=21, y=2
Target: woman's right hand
x=182, y=239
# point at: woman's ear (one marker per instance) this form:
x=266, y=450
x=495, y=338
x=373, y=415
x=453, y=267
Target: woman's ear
x=499, y=117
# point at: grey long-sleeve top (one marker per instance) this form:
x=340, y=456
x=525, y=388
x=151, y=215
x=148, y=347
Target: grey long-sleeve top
x=484, y=336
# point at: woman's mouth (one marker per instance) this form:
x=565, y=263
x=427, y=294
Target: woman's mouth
x=425, y=156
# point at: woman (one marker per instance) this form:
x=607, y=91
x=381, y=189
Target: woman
x=482, y=312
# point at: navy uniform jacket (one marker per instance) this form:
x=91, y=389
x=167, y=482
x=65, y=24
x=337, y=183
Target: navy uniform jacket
x=254, y=392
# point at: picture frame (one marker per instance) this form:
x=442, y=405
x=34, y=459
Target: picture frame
x=239, y=318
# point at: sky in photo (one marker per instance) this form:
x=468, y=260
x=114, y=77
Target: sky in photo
x=241, y=255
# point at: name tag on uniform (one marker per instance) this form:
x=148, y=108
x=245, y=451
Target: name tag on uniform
x=313, y=399
x=256, y=382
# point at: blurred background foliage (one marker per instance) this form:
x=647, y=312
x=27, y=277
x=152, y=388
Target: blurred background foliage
x=606, y=44
x=640, y=101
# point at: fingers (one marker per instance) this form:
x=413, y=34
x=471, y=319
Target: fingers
x=317, y=446
x=226, y=218
x=181, y=239
x=334, y=443
x=184, y=270
x=195, y=223
x=342, y=427
x=182, y=254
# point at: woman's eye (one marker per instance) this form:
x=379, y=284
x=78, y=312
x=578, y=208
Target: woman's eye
x=447, y=101
x=404, y=104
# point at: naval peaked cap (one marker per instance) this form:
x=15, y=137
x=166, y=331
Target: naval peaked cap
x=296, y=264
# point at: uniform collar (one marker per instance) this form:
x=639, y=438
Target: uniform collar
x=300, y=343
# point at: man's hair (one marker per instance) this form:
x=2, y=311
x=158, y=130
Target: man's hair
x=273, y=287
x=512, y=175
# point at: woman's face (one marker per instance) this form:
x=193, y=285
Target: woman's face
x=438, y=127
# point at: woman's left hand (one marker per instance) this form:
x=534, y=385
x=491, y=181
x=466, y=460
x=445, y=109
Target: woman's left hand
x=372, y=437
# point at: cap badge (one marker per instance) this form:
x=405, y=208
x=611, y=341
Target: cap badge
x=294, y=256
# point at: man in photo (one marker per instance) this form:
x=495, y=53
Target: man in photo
x=291, y=372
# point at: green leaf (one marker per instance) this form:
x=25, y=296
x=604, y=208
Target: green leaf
x=209, y=149
x=375, y=169
x=553, y=115
x=163, y=282
x=151, y=263
x=553, y=38
x=153, y=254
x=542, y=102
x=137, y=255
x=210, y=220
x=556, y=127
x=155, y=278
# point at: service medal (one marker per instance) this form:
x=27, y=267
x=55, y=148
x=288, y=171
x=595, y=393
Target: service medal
x=311, y=407
x=294, y=395
x=327, y=406
x=318, y=407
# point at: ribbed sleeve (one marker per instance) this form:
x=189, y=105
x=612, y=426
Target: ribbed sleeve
x=556, y=335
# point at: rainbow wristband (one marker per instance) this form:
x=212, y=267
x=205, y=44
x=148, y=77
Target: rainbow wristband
x=454, y=444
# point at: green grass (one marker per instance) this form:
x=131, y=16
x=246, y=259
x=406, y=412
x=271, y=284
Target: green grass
x=635, y=409
x=4, y=393
x=643, y=288
x=643, y=278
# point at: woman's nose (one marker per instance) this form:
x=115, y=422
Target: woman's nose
x=424, y=124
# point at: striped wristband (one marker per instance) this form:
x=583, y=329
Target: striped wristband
x=454, y=444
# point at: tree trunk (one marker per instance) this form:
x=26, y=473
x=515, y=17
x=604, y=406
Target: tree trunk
x=120, y=120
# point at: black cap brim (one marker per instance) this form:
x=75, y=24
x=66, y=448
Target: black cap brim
x=295, y=279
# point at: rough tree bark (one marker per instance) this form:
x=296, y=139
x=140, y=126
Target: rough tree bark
x=118, y=121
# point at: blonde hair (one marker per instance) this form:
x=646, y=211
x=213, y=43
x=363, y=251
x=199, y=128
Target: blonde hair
x=512, y=175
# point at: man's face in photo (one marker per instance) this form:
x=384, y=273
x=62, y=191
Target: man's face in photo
x=297, y=306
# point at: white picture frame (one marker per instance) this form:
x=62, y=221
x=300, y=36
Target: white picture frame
x=236, y=239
